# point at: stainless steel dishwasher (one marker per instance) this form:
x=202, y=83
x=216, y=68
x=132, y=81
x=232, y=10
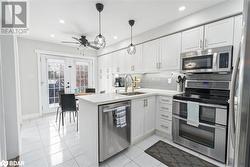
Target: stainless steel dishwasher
x=114, y=128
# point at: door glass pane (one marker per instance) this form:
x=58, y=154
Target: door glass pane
x=81, y=76
x=55, y=80
x=201, y=134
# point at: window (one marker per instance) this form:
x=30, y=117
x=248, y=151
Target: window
x=55, y=80
x=81, y=76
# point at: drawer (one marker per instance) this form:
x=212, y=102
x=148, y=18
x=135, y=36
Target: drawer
x=165, y=116
x=165, y=107
x=165, y=99
x=166, y=126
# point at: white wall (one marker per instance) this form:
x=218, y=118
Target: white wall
x=219, y=11
x=2, y=119
x=28, y=68
x=10, y=95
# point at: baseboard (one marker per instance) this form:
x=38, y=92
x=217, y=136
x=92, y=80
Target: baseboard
x=30, y=116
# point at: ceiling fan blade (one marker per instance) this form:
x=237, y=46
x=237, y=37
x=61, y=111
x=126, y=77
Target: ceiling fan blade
x=70, y=42
x=76, y=39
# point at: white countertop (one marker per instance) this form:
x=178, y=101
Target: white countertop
x=114, y=97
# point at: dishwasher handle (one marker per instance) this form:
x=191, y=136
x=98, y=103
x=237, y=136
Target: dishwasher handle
x=110, y=109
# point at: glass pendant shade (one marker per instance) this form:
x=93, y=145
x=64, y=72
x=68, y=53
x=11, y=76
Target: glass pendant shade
x=100, y=41
x=131, y=49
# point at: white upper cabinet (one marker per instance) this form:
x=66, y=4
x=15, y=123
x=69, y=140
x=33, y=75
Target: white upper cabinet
x=170, y=49
x=150, y=56
x=134, y=62
x=237, y=36
x=219, y=33
x=192, y=39
x=118, y=62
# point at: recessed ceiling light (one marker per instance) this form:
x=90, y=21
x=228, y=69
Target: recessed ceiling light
x=61, y=21
x=182, y=8
x=115, y=37
x=52, y=35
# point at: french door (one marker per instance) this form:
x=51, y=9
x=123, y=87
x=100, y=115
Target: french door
x=63, y=74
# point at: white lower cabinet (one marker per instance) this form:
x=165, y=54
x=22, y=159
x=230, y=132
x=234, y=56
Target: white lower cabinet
x=142, y=117
x=164, y=115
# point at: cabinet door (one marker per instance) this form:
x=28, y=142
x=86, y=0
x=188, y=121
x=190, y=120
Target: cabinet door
x=134, y=62
x=150, y=56
x=149, y=117
x=192, y=39
x=237, y=36
x=219, y=33
x=118, y=64
x=170, y=49
x=137, y=119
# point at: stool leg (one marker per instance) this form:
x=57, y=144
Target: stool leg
x=57, y=110
x=77, y=121
x=60, y=120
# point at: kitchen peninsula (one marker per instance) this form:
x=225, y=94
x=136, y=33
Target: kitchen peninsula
x=144, y=118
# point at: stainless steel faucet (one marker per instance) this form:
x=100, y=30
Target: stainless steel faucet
x=127, y=81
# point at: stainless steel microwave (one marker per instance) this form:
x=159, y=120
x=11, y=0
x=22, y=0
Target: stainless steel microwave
x=213, y=60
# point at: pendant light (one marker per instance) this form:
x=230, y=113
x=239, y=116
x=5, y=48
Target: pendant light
x=131, y=48
x=100, y=40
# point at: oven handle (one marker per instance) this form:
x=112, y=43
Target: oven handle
x=216, y=126
x=203, y=104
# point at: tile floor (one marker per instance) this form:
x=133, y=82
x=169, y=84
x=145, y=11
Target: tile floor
x=43, y=145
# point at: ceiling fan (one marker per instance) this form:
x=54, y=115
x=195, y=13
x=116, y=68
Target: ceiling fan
x=82, y=41
x=99, y=42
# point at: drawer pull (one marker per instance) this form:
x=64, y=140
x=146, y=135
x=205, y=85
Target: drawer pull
x=166, y=127
x=166, y=116
x=164, y=108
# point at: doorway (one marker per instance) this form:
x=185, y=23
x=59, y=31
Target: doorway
x=70, y=75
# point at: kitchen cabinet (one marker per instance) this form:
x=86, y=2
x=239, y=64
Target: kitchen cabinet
x=237, y=36
x=149, y=115
x=142, y=117
x=170, y=49
x=219, y=33
x=134, y=62
x=105, y=81
x=192, y=39
x=118, y=62
x=150, y=56
x=164, y=115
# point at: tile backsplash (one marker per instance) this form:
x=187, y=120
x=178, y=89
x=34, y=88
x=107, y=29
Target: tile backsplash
x=164, y=80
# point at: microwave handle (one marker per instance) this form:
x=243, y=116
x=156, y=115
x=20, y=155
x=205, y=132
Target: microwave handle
x=232, y=94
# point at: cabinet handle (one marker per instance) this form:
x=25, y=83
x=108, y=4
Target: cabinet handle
x=132, y=68
x=200, y=45
x=165, y=108
x=164, y=100
x=166, y=116
x=205, y=43
x=166, y=127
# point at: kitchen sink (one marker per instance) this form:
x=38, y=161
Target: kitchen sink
x=132, y=93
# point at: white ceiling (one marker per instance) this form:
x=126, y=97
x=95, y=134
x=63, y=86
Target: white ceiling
x=81, y=17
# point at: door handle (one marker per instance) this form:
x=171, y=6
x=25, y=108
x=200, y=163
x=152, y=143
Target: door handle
x=232, y=94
